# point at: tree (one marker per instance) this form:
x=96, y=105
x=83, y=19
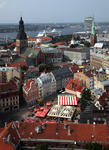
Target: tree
x=24, y=68
x=42, y=67
x=73, y=45
x=86, y=98
x=93, y=146
x=43, y=146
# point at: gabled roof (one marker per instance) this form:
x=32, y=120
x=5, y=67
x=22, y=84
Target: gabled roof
x=66, y=133
x=29, y=83
x=62, y=73
x=30, y=52
x=10, y=136
x=17, y=64
x=74, y=85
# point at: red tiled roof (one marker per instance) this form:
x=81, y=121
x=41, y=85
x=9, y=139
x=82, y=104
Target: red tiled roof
x=8, y=89
x=9, y=130
x=60, y=43
x=74, y=85
x=32, y=39
x=79, y=132
x=66, y=65
x=36, y=48
x=13, y=44
x=75, y=68
x=10, y=86
x=46, y=38
x=17, y=64
x=6, y=146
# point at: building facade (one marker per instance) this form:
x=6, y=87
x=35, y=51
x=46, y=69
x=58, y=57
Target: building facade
x=52, y=55
x=78, y=56
x=88, y=24
x=61, y=76
x=30, y=92
x=46, y=84
x=74, y=87
x=99, y=61
x=86, y=79
x=9, y=97
x=7, y=73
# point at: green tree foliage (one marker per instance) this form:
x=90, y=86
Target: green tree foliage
x=93, y=146
x=64, y=38
x=73, y=45
x=24, y=68
x=43, y=146
x=86, y=43
x=47, y=67
x=86, y=98
x=42, y=67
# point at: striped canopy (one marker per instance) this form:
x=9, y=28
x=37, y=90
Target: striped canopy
x=66, y=100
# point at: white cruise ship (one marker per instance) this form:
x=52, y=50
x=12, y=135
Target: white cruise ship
x=52, y=33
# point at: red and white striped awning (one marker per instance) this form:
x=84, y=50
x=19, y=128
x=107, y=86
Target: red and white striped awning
x=66, y=100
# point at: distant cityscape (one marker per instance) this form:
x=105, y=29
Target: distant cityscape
x=10, y=30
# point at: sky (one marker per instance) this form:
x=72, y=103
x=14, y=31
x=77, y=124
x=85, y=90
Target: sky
x=53, y=11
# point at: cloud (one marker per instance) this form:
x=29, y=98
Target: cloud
x=2, y=4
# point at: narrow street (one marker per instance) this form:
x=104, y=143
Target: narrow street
x=13, y=116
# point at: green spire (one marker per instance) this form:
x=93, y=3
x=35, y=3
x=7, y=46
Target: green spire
x=93, y=28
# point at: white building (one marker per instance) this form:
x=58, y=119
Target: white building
x=46, y=84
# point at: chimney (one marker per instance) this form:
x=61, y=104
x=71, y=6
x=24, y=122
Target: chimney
x=18, y=124
x=105, y=121
x=88, y=121
x=43, y=125
x=56, y=133
x=4, y=139
x=76, y=121
x=5, y=124
x=8, y=138
x=69, y=132
x=65, y=126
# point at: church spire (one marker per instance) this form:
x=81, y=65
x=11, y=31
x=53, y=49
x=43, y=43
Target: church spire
x=21, y=34
x=21, y=39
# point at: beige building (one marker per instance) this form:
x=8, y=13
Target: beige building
x=99, y=61
x=13, y=73
x=86, y=79
x=97, y=84
x=102, y=76
x=7, y=73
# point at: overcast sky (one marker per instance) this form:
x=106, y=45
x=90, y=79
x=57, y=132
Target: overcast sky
x=48, y=11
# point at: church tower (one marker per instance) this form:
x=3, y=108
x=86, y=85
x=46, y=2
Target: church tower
x=21, y=39
x=93, y=37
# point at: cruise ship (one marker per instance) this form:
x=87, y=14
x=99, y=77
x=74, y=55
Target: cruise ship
x=52, y=33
